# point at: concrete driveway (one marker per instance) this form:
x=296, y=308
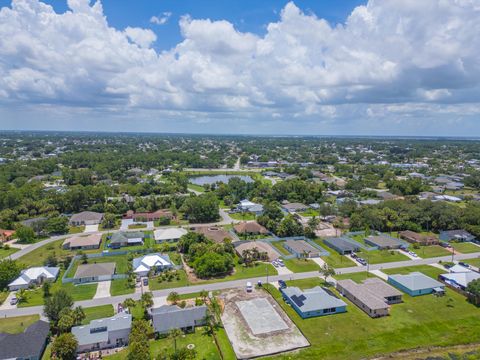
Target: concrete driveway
x=125, y=223
x=90, y=228
x=6, y=304
x=103, y=289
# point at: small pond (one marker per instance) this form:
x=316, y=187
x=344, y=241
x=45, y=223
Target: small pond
x=212, y=179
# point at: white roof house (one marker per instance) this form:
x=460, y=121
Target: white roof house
x=35, y=275
x=142, y=265
x=460, y=279
x=169, y=234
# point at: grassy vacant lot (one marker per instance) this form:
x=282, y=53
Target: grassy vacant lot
x=334, y=259
x=242, y=272
x=158, y=284
x=7, y=252
x=15, y=325
x=79, y=292
x=137, y=226
x=37, y=257
x=97, y=312
x=474, y=262
x=279, y=246
x=204, y=346
x=426, y=269
x=243, y=216
x=382, y=256
x=465, y=247
x=357, y=277
x=418, y=322
x=120, y=287
x=301, y=265
x=430, y=251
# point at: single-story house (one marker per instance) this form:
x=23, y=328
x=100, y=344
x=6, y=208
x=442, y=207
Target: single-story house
x=83, y=242
x=459, y=277
x=416, y=283
x=103, y=333
x=86, y=218
x=142, y=265
x=37, y=224
x=148, y=216
x=214, y=233
x=168, y=317
x=6, y=235
x=169, y=234
x=301, y=249
x=383, y=242
x=456, y=235
x=416, y=238
x=373, y=296
x=341, y=245
x=248, y=206
x=122, y=239
x=313, y=302
x=28, y=345
x=94, y=272
x=251, y=227
x=385, y=195
x=34, y=276
x=294, y=207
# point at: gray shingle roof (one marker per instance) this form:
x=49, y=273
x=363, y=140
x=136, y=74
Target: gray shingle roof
x=92, y=270
x=97, y=331
x=24, y=345
x=300, y=245
x=168, y=317
x=416, y=281
x=342, y=244
x=122, y=237
x=312, y=299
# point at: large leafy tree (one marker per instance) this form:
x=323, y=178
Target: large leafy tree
x=64, y=347
x=60, y=300
x=201, y=209
x=9, y=271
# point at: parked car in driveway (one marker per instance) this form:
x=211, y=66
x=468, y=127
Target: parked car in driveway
x=282, y=284
x=145, y=281
x=13, y=301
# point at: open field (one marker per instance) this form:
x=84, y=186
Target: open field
x=243, y=272
x=465, y=247
x=15, y=325
x=204, y=346
x=418, y=322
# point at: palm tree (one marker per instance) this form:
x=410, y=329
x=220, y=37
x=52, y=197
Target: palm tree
x=204, y=295
x=174, y=334
x=147, y=300
x=128, y=303
x=21, y=296
x=78, y=315
x=173, y=297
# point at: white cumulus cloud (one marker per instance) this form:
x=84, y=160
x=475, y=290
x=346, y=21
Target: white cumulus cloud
x=162, y=19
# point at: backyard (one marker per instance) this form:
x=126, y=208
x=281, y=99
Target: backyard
x=279, y=246
x=426, y=269
x=121, y=262
x=418, y=322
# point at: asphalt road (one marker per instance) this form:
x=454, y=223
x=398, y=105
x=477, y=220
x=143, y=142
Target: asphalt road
x=238, y=283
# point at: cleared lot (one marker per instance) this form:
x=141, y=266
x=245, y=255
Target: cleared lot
x=257, y=326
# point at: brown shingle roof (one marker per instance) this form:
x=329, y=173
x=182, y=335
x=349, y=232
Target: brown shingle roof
x=250, y=227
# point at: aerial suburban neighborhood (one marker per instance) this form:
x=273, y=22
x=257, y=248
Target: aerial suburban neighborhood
x=223, y=180
x=226, y=259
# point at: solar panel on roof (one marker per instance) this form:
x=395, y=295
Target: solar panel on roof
x=298, y=300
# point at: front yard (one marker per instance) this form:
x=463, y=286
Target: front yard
x=15, y=325
x=430, y=251
x=382, y=256
x=428, y=270
x=465, y=247
x=301, y=265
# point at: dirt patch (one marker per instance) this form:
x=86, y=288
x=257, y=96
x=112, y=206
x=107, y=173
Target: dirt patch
x=257, y=326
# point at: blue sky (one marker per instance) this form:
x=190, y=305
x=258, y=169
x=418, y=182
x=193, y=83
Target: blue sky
x=268, y=67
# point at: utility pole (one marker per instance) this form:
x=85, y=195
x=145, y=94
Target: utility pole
x=266, y=268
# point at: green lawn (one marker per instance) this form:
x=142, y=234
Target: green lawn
x=137, y=226
x=243, y=216
x=196, y=187
x=242, y=272
x=157, y=283
x=474, y=262
x=335, y=260
x=465, y=247
x=417, y=322
x=120, y=287
x=204, y=346
x=426, y=269
x=225, y=346
x=7, y=252
x=76, y=229
x=310, y=212
x=78, y=293
x=357, y=277
x=3, y=296
x=301, y=265
x=382, y=256
x=38, y=256
x=97, y=312
x=306, y=283
x=279, y=246
x=15, y=325
x=431, y=251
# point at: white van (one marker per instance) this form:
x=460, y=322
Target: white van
x=249, y=287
